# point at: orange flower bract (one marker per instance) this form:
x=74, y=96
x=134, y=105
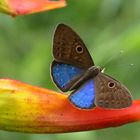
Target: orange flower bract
x=26, y=108
x=24, y=7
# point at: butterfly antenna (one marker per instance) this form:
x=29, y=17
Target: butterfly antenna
x=116, y=54
x=103, y=70
x=128, y=66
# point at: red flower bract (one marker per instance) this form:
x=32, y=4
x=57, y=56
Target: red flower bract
x=24, y=7
x=27, y=108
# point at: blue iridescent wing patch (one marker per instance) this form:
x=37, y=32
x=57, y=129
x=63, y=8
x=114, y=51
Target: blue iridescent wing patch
x=64, y=75
x=84, y=96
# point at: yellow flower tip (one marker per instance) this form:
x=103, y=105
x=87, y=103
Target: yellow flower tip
x=4, y=7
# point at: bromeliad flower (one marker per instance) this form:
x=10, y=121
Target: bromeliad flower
x=24, y=7
x=26, y=108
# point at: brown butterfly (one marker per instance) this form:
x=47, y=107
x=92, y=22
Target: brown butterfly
x=73, y=69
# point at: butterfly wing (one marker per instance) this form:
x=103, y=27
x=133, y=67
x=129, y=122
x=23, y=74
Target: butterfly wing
x=109, y=93
x=83, y=97
x=71, y=58
x=69, y=48
x=65, y=75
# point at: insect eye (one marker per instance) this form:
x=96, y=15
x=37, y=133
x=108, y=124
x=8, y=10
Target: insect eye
x=79, y=49
x=111, y=85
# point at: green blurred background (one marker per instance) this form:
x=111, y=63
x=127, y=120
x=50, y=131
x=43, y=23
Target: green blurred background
x=111, y=31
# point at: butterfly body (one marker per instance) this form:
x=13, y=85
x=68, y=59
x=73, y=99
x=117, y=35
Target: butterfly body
x=73, y=70
x=88, y=74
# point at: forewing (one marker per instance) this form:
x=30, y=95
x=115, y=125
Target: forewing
x=69, y=48
x=109, y=93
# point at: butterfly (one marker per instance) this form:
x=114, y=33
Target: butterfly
x=73, y=70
